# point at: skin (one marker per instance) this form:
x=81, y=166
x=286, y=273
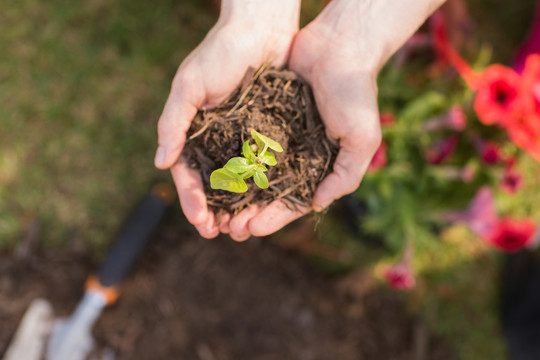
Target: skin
x=339, y=54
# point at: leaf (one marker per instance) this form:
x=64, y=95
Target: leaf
x=268, y=158
x=260, y=179
x=223, y=179
x=247, y=152
x=239, y=165
x=262, y=140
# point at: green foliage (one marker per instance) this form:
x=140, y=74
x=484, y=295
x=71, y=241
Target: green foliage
x=407, y=199
x=231, y=177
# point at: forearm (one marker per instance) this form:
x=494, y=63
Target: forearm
x=274, y=15
x=375, y=28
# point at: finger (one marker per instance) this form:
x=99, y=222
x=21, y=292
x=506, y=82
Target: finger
x=223, y=219
x=191, y=193
x=240, y=237
x=273, y=217
x=175, y=120
x=349, y=168
x=238, y=225
x=209, y=228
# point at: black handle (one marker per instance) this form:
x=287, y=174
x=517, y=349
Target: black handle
x=133, y=237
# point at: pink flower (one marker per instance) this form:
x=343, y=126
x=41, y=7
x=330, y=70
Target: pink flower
x=400, y=275
x=468, y=173
x=489, y=151
x=453, y=119
x=511, y=235
x=379, y=159
x=530, y=46
x=481, y=215
x=442, y=150
x=511, y=181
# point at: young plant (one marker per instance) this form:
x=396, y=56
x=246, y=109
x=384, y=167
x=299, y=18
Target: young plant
x=231, y=177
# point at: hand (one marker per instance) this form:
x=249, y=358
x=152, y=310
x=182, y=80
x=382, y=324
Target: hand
x=345, y=89
x=248, y=33
x=346, y=95
x=340, y=54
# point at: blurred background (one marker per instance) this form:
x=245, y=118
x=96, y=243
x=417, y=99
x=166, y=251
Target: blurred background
x=82, y=85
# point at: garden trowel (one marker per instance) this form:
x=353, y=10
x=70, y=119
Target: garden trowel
x=71, y=339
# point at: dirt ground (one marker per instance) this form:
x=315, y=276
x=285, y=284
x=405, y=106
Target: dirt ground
x=195, y=299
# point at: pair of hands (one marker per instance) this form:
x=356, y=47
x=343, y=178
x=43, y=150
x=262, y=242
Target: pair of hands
x=331, y=62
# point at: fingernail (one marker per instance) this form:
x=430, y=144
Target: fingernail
x=160, y=156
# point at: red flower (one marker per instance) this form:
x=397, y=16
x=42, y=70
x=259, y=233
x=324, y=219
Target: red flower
x=379, y=159
x=523, y=137
x=387, y=118
x=400, y=275
x=498, y=100
x=511, y=235
x=442, y=150
x=531, y=98
x=503, y=97
x=446, y=52
x=531, y=81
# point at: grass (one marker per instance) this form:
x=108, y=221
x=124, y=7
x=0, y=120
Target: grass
x=83, y=86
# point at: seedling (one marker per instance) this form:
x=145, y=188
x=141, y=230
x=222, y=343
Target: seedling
x=231, y=177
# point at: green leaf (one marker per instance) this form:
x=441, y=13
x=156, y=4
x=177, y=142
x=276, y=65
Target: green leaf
x=247, y=152
x=262, y=140
x=260, y=179
x=249, y=173
x=239, y=165
x=223, y=179
x=267, y=158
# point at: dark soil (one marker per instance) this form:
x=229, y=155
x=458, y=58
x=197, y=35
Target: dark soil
x=280, y=105
x=196, y=299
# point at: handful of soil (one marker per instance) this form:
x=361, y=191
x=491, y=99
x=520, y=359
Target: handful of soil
x=278, y=104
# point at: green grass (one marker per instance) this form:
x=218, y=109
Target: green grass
x=82, y=86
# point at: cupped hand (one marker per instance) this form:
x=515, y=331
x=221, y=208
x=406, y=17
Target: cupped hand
x=204, y=79
x=344, y=85
x=343, y=80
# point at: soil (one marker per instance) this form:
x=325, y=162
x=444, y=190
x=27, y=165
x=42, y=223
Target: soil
x=192, y=298
x=276, y=103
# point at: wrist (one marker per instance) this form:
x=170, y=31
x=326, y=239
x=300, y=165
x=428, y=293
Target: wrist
x=270, y=15
x=373, y=29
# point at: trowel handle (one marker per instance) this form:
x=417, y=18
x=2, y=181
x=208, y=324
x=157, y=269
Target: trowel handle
x=133, y=237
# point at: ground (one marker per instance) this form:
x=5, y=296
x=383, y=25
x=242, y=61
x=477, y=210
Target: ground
x=193, y=298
